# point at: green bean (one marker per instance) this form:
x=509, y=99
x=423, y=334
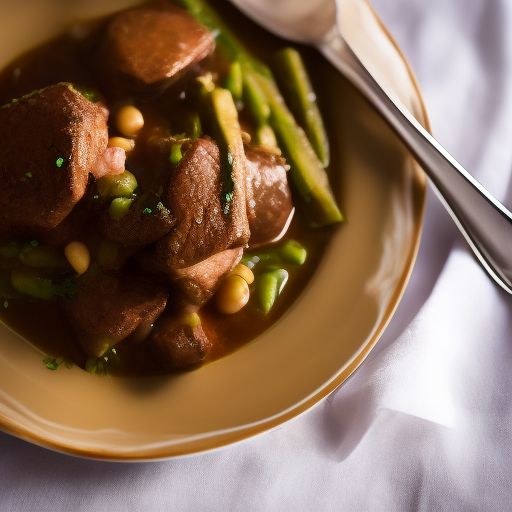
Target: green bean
x=11, y=251
x=195, y=129
x=268, y=287
x=120, y=185
x=234, y=81
x=291, y=252
x=30, y=282
x=293, y=80
x=229, y=140
x=7, y=290
x=257, y=104
x=176, y=155
x=254, y=98
x=265, y=136
x=44, y=256
x=119, y=207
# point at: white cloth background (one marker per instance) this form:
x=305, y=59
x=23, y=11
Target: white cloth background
x=425, y=424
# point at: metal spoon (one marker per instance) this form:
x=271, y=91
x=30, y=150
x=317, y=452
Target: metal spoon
x=483, y=220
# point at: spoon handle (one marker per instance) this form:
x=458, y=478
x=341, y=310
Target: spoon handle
x=483, y=220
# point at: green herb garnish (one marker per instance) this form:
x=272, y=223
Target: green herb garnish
x=65, y=289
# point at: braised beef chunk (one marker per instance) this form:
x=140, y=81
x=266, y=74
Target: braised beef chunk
x=146, y=221
x=50, y=141
x=178, y=344
x=193, y=196
x=200, y=281
x=147, y=47
x=108, y=307
x=269, y=200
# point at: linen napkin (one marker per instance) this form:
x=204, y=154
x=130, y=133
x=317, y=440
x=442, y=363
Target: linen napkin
x=425, y=423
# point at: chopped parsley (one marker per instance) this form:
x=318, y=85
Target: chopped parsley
x=65, y=289
x=53, y=363
x=59, y=162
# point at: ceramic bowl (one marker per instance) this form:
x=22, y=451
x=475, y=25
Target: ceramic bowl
x=315, y=346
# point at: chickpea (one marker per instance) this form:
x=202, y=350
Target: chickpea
x=232, y=295
x=246, y=137
x=129, y=120
x=78, y=256
x=244, y=272
x=121, y=142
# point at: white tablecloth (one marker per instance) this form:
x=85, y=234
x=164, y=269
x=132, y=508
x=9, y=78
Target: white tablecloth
x=425, y=424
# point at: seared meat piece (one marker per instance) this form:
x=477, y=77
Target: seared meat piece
x=110, y=306
x=50, y=141
x=199, y=282
x=147, y=47
x=193, y=196
x=66, y=231
x=178, y=343
x=146, y=221
x=269, y=200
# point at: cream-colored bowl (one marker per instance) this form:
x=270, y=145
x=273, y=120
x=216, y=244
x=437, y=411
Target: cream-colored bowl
x=322, y=339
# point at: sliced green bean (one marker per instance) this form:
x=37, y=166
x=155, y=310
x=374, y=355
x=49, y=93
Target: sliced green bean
x=195, y=128
x=268, y=287
x=119, y=207
x=30, y=282
x=11, y=251
x=293, y=80
x=229, y=140
x=234, y=81
x=257, y=104
x=7, y=290
x=44, y=256
x=292, y=253
x=265, y=136
x=176, y=155
x=254, y=98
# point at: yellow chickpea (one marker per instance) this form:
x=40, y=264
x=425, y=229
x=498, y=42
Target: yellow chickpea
x=78, y=256
x=246, y=137
x=121, y=142
x=244, y=272
x=129, y=120
x=232, y=295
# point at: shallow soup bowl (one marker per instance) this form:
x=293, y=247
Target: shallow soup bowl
x=321, y=339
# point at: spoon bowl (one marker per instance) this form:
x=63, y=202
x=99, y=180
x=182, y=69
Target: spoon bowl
x=308, y=21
